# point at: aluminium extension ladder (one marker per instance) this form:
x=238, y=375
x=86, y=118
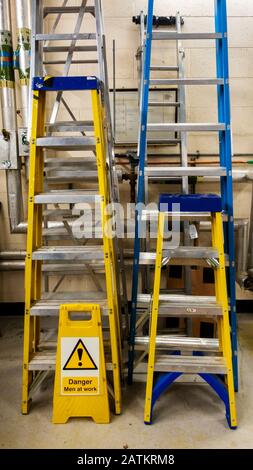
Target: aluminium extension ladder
x=39, y=352
x=224, y=171
x=210, y=358
x=55, y=49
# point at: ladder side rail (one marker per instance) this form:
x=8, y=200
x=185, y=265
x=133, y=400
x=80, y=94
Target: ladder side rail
x=142, y=150
x=226, y=160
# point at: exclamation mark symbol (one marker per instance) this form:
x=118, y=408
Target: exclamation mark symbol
x=80, y=353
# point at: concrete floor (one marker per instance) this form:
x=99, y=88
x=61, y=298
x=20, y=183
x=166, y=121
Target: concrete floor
x=188, y=416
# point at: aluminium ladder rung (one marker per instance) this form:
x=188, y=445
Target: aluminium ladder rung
x=45, y=360
x=183, y=305
x=66, y=143
x=69, y=9
x=50, y=304
x=161, y=104
x=57, y=49
x=190, y=216
x=70, y=126
x=186, y=127
x=65, y=37
x=169, y=342
x=69, y=196
x=85, y=253
x=174, y=35
x=191, y=364
x=184, y=171
x=183, y=252
x=186, y=81
x=164, y=68
x=63, y=62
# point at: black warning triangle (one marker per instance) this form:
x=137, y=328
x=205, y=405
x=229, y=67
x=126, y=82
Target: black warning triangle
x=80, y=359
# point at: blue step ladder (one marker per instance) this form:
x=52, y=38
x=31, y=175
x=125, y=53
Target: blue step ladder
x=224, y=171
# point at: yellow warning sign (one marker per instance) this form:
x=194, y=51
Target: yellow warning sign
x=80, y=385
x=80, y=359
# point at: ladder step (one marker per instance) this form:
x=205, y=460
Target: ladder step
x=45, y=360
x=186, y=81
x=65, y=37
x=160, y=104
x=191, y=364
x=50, y=304
x=183, y=305
x=164, y=68
x=57, y=49
x=173, y=35
x=63, y=62
x=66, y=143
x=167, y=171
x=70, y=126
x=73, y=196
x=169, y=342
x=192, y=216
x=185, y=127
x=55, y=10
x=68, y=253
x=182, y=252
x=163, y=141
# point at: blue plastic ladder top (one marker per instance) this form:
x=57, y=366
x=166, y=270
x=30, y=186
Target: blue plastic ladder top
x=225, y=151
x=190, y=202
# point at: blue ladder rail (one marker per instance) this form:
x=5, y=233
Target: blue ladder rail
x=225, y=150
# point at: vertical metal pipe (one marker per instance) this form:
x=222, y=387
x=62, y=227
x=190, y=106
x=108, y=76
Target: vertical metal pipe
x=114, y=88
x=22, y=53
x=8, y=106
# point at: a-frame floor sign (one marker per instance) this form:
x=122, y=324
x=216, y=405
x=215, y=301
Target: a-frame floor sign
x=80, y=388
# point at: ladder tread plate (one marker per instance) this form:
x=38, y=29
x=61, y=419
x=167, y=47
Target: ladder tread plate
x=183, y=305
x=184, y=171
x=66, y=143
x=186, y=127
x=50, y=303
x=191, y=364
x=57, y=49
x=174, y=35
x=181, y=343
x=69, y=253
x=65, y=196
x=65, y=36
x=186, y=81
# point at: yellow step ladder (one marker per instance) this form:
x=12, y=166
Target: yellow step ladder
x=211, y=358
x=39, y=358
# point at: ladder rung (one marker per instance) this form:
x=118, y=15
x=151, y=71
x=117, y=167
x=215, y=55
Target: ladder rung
x=92, y=48
x=163, y=141
x=184, y=305
x=68, y=253
x=45, y=360
x=89, y=162
x=50, y=304
x=167, y=171
x=191, y=364
x=73, y=196
x=178, y=343
x=164, y=68
x=173, y=35
x=185, y=127
x=186, y=81
x=63, y=62
x=66, y=143
x=70, y=126
x=190, y=216
x=160, y=104
x=68, y=176
x=55, y=10
x=65, y=37
x=182, y=252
